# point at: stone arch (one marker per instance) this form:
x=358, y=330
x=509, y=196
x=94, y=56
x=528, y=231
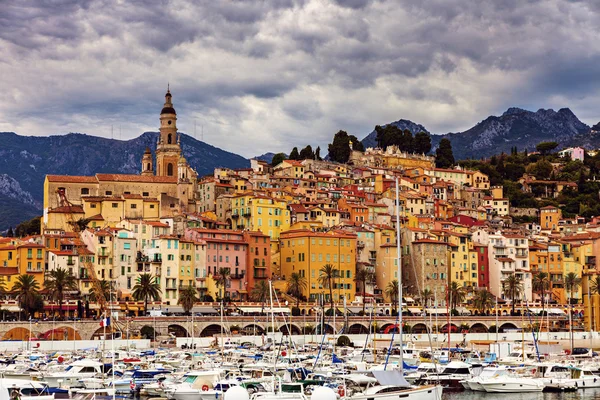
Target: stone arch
x=18, y=333
x=177, y=330
x=507, y=325
x=388, y=328
x=478, y=328
x=169, y=169
x=212, y=330
x=453, y=328
x=325, y=328
x=253, y=329
x=357, y=329
x=100, y=332
x=62, y=333
x=287, y=328
x=420, y=328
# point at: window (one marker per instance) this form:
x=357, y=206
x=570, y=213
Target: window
x=126, y=246
x=134, y=206
x=115, y=205
x=85, y=191
x=108, y=193
x=145, y=194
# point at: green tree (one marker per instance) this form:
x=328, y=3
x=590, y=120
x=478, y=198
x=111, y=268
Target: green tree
x=294, y=155
x=103, y=290
x=10, y=232
x=572, y=282
x=339, y=149
x=221, y=281
x=307, y=153
x=296, y=284
x=145, y=288
x=26, y=290
x=57, y=282
x=546, y=147
x=188, y=296
x=512, y=287
x=426, y=295
x=595, y=283
x=541, y=169
x=444, y=157
x=261, y=292
x=540, y=285
x=318, y=153
x=483, y=300
x=278, y=159
x=422, y=143
x=361, y=277
x=29, y=227
x=391, y=291
x=456, y=294
x=327, y=274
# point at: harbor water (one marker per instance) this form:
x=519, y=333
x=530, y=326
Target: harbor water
x=588, y=394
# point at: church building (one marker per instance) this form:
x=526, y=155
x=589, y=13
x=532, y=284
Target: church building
x=167, y=191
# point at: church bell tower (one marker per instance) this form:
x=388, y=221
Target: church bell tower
x=168, y=149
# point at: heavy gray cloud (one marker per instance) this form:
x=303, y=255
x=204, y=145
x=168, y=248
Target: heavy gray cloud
x=258, y=76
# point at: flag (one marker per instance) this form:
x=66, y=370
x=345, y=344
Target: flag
x=105, y=321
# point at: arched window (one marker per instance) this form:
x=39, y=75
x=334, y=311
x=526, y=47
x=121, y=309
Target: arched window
x=169, y=168
x=148, y=167
x=169, y=139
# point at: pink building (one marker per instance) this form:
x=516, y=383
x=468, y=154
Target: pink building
x=225, y=249
x=575, y=153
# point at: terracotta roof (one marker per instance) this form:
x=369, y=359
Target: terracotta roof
x=505, y=259
x=430, y=241
x=71, y=179
x=9, y=271
x=132, y=196
x=136, y=178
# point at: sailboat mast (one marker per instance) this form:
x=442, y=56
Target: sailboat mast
x=399, y=272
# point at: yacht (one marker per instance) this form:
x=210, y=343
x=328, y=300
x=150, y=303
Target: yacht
x=511, y=383
x=194, y=383
x=391, y=386
x=453, y=373
x=72, y=375
x=488, y=372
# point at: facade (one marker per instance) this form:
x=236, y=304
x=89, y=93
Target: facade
x=307, y=252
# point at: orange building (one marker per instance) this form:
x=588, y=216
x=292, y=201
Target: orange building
x=549, y=217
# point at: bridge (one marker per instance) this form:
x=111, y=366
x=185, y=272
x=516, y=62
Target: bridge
x=206, y=326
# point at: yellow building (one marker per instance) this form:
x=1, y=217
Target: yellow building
x=463, y=261
x=31, y=258
x=549, y=217
x=108, y=198
x=306, y=252
x=258, y=212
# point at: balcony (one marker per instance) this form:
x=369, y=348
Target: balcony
x=521, y=254
x=239, y=275
x=70, y=262
x=260, y=276
x=360, y=244
x=235, y=216
x=246, y=214
x=156, y=260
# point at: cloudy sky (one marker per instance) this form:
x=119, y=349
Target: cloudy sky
x=259, y=76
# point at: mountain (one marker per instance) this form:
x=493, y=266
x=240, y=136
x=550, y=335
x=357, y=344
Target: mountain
x=268, y=157
x=371, y=139
x=516, y=127
x=25, y=161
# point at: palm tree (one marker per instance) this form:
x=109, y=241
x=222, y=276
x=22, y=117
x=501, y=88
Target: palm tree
x=326, y=275
x=456, y=293
x=103, y=290
x=146, y=288
x=59, y=281
x=483, y=300
x=595, y=285
x=541, y=284
x=187, y=297
x=296, y=285
x=26, y=289
x=512, y=287
x=221, y=280
x=261, y=292
x=572, y=282
x=426, y=295
x=391, y=290
x=361, y=276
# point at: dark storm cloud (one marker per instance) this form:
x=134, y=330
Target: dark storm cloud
x=267, y=74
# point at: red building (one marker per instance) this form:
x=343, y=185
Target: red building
x=483, y=266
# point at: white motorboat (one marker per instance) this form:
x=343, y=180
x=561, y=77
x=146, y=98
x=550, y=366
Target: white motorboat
x=423, y=370
x=453, y=373
x=391, y=385
x=72, y=375
x=489, y=372
x=194, y=383
x=511, y=384
x=22, y=389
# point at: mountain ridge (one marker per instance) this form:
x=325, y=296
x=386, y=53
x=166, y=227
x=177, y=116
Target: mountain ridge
x=26, y=160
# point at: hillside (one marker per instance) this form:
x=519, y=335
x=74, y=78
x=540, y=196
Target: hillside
x=371, y=139
x=25, y=161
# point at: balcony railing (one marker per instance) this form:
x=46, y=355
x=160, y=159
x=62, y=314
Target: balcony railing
x=142, y=259
x=239, y=275
x=157, y=260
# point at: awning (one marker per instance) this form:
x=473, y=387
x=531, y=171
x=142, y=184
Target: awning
x=390, y=378
x=436, y=311
x=556, y=311
x=277, y=310
x=409, y=299
x=65, y=307
x=11, y=308
x=414, y=310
